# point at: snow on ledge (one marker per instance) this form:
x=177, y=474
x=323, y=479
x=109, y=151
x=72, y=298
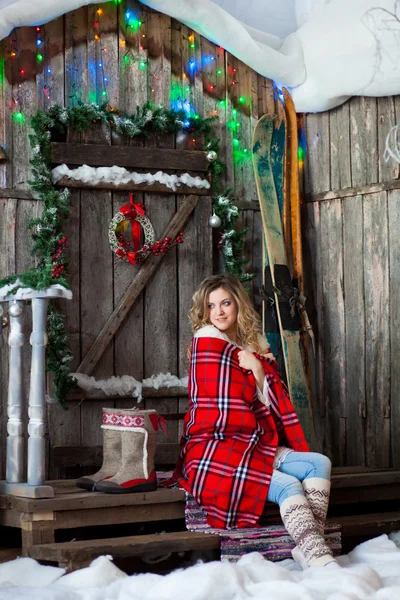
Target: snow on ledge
x=128, y=385
x=26, y=293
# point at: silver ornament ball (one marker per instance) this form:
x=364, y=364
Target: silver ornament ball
x=215, y=221
x=212, y=156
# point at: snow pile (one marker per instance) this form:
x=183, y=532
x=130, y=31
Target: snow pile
x=165, y=380
x=370, y=572
x=118, y=175
x=127, y=385
x=33, y=574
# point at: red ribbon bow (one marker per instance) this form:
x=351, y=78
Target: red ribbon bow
x=131, y=211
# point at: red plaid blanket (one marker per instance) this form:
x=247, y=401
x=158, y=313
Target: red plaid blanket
x=230, y=437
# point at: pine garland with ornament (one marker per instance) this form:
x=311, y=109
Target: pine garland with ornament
x=49, y=243
x=225, y=215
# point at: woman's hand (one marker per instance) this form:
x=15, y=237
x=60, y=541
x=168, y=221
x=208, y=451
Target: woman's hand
x=269, y=356
x=248, y=361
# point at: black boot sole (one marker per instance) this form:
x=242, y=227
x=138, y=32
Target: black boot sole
x=144, y=487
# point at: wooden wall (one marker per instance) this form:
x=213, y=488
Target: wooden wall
x=151, y=62
x=351, y=217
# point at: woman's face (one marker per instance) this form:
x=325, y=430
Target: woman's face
x=222, y=311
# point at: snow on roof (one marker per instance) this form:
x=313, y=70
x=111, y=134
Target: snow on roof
x=342, y=48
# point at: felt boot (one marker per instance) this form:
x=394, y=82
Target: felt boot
x=138, y=446
x=300, y=523
x=111, y=452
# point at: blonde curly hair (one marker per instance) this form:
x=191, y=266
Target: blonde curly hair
x=248, y=321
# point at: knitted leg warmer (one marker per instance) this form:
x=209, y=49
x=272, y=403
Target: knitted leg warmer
x=300, y=523
x=317, y=491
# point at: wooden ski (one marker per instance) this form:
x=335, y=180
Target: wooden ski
x=284, y=296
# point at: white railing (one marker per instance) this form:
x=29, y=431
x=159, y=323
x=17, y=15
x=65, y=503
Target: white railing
x=32, y=484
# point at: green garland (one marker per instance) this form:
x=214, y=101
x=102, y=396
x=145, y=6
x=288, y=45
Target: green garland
x=49, y=242
x=232, y=241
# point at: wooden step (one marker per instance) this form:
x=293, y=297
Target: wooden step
x=368, y=525
x=77, y=554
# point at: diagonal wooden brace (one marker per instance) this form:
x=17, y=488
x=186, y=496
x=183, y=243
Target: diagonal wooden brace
x=134, y=289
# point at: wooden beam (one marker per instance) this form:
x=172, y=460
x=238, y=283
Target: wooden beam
x=159, y=188
x=134, y=290
x=162, y=392
x=98, y=155
x=135, y=545
x=17, y=194
x=353, y=191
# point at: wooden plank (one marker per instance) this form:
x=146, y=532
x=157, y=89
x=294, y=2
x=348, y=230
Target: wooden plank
x=368, y=525
x=64, y=426
x=76, y=72
x=70, y=519
x=195, y=263
x=313, y=291
x=128, y=341
x=17, y=194
x=378, y=493
x=95, y=219
x=354, y=329
x=333, y=306
x=245, y=184
x=317, y=159
x=363, y=141
x=266, y=102
x=51, y=76
x=159, y=316
x=353, y=191
x=134, y=290
x=133, y=55
x=339, y=131
x=91, y=500
x=139, y=158
x=25, y=92
x=377, y=350
x=105, y=17
x=387, y=171
x=8, y=217
x=394, y=319
x=121, y=547
x=156, y=187
x=6, y=123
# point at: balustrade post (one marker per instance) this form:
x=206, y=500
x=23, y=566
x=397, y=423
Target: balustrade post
x=37, y=393
x=17, y=483
x=15, y=426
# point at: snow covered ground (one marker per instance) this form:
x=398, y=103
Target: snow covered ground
x=371, y=571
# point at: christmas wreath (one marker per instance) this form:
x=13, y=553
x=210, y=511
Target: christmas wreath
x=133, y=215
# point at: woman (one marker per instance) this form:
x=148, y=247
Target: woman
x=242, y=442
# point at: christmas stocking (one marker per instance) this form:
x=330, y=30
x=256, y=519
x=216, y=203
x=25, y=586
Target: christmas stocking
x=138, y=431
x=300, y=524
x=111, y=450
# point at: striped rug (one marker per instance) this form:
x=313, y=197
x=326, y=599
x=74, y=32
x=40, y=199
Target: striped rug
x=272, y=541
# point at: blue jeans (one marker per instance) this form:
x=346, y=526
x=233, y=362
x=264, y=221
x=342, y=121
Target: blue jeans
x=297, y=466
